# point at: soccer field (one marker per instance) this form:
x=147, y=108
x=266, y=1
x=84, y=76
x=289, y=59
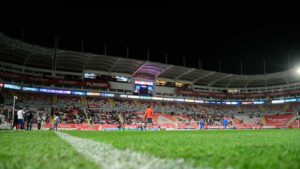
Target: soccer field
x=244, y=149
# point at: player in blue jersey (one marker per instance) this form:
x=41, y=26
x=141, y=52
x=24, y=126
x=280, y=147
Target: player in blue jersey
x=201, y=123
x=225, y=123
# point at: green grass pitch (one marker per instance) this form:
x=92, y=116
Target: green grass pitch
x=243, y=149
x=38, y=150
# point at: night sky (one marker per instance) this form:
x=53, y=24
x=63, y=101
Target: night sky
x=225, y=33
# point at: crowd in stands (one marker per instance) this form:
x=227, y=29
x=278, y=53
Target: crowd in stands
x=97, y=110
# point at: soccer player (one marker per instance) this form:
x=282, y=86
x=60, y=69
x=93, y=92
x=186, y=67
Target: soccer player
x=201, y=123
x=225, y=123
x=55, y=122
x=149, y=116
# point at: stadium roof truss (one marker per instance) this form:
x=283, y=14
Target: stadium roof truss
x=21, y=53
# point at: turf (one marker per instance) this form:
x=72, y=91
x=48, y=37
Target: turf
x=38, y=150
x=251, y=149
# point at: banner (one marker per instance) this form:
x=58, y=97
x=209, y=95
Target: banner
x=114, y=127
x=234, y=96
x=278, y=120
x=47, y=80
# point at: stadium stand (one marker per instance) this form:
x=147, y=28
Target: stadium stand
x=167, y=114
x=104, y=90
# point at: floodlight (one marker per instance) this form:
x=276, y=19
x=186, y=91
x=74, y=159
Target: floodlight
x=298, y=70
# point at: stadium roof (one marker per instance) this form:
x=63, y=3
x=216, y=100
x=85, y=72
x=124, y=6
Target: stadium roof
x=21, y=53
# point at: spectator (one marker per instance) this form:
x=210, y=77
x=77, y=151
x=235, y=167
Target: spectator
x=28, y=119
x=15, y=122
x=20, y=115
x=44, y=118
x=39, y=121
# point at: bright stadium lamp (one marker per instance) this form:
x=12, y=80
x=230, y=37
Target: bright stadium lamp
x=298, y=70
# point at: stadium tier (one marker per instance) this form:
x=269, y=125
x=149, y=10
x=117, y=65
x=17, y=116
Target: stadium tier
x=107, y=113
x=112, y=91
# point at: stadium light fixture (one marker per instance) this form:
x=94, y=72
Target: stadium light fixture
x=298, y=70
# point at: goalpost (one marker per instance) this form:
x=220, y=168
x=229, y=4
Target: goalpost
x=13, y=113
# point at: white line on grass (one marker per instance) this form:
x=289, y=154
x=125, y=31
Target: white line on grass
x=111, y=158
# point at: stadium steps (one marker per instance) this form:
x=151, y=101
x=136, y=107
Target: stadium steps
x=137, y=104
x=112, y=102
x=53, y=99
x=262, y=109
x=296, y=123
x=83, y=100
x=286, y=108
x=263, y=121
x=168, y=117
x=121, y=118
x=236, y=122
x=160, y=106
x=291, y=121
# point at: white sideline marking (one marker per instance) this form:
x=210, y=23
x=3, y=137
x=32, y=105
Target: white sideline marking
x=111, y=158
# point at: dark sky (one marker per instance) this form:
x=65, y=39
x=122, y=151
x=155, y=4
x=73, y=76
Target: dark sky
x=217, y=32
